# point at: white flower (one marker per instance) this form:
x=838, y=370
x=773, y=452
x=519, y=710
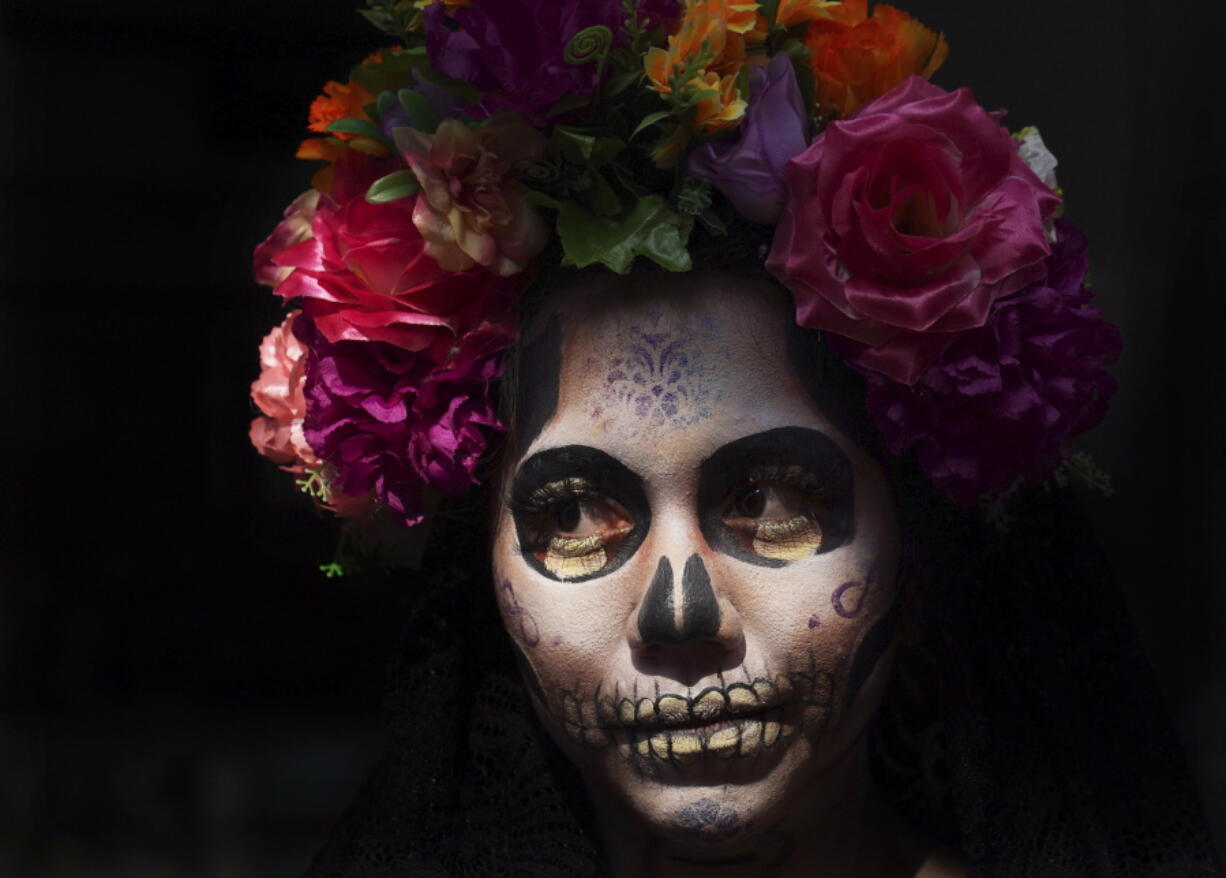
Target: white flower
x=1037, y=156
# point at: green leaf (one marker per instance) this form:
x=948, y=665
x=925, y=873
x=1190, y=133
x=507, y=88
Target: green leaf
x=651, y=229
x=424, y=114
x=648, y=121
x=619, y=83
x=713, y=222
x=602, y=198
x=457, y=87
x=385, y=102
x=568, y=104
x=393, y=187
x=360, y=127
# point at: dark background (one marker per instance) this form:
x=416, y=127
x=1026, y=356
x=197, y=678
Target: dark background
x=181, y=692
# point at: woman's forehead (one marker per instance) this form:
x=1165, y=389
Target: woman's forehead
x=673, y=373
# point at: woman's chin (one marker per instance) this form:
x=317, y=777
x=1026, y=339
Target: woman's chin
x=712, y=801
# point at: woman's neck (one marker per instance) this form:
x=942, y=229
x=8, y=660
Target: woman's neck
x=840, y=826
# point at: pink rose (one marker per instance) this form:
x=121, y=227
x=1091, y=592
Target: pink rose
x=905, y=223
x=294, y=228
x=364, y=274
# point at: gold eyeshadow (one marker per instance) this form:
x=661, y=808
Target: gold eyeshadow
x=788, y=540
x=574, y=557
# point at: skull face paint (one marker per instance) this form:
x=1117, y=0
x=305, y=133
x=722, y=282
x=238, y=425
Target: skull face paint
x=674, y=566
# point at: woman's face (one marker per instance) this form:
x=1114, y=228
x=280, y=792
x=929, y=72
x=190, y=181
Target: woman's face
x=695, y=564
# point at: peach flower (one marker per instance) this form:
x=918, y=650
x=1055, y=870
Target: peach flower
x=278, y=434
x=469, y=211
x=278, y=394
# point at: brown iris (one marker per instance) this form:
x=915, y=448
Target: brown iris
x=774, y=516
x=579, y=531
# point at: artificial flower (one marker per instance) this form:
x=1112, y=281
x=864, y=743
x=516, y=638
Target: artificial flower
x=710, y=29
x=1037, y=156
x=749, y=170
x=515, y=51
x=904, y=225
x=471, y=211
x=339, y=101
x=857, y=59
x=278, y=434
x=660, y=14
x=295, y=228
x=793, y=12
x=1004, y=399
x=363, y=274
x=392, y=423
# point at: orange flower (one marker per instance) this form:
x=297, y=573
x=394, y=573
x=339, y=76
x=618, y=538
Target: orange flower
x=720, y=105
x=857, y=59
x=715, y=30
x=339, y=101
x=792, y=12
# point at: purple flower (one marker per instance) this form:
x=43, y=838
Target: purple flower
x=1004, y=399
x=749, y=170
x=660, y=13
x=514, y=50
x=393, y=422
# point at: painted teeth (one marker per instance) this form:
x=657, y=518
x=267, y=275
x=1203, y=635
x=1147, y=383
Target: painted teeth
x=673, y=709
x=625, y=711
x=709, y=705
x=724, y=742
x=659, y=746
x=643, y=747
x=646, y=711
x=751, y=738
x=770, y=732
x=742, y=697
x=765, y=690
x=686, y=748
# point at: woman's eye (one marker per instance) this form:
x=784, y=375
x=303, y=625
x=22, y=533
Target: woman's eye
x=579, y=536
x=776, y=521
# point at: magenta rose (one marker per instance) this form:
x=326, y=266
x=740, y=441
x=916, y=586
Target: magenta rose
x=362, y=274
x=905, y=223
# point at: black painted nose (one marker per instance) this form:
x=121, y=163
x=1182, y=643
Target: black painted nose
x=659, y=621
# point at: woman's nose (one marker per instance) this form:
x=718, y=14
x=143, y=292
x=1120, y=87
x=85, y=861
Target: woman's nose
x=679, y=613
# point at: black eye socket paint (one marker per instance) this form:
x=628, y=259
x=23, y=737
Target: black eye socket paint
x=601, y=475
x=827, y=468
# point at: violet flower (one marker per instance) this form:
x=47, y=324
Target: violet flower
x=749, y=170
x=514, y=50
x=1004, y=398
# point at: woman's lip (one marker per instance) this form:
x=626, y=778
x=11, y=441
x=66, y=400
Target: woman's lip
x=742, y=735
x=705, y=711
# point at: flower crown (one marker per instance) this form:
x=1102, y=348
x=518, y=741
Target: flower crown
x=916, y=232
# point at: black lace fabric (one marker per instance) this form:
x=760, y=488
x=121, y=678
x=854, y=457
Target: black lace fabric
x=1023, y=727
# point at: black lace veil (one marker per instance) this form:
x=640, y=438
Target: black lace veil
x=1023, y=726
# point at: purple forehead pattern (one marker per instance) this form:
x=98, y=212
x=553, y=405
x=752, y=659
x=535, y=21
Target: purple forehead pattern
x=665, y=373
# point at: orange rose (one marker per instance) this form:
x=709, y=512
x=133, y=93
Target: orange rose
x=857, y=59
